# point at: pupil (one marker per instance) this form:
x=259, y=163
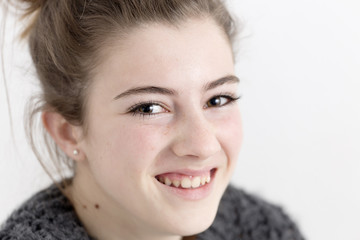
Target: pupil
x=147, y=109
x=215, y=101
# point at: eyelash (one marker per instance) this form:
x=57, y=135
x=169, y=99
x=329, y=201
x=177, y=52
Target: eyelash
x=134, y=110
x=229, y=97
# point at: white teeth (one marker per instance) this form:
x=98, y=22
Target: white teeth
x=203, y=180
x=176, y=183
x=186, y=183
x=208, y=179
x=167, y=181
x=195, y=182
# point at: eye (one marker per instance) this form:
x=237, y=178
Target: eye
x=147, y=109
x=219, y=101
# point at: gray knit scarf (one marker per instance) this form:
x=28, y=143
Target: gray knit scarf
x=49, y=215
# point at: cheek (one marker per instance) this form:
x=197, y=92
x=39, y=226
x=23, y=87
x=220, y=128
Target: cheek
x=122, y=157
x=231, y=134
x=127, y=148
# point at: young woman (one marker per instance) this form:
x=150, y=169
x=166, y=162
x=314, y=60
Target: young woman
x=140, y=98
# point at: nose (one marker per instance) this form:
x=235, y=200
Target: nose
x=196, y=137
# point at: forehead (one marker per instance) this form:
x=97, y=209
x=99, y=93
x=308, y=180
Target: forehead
x=158, y=54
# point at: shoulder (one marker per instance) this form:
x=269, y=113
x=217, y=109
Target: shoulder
x=46, y=215
x=245, y=216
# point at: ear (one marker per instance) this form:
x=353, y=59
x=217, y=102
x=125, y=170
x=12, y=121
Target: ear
x=66, y=135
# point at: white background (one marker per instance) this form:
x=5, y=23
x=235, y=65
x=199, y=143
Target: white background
x=299, y=63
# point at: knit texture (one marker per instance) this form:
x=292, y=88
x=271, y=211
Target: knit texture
x=49, y=215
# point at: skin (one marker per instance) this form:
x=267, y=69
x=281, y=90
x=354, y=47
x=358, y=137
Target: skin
x=115, y=192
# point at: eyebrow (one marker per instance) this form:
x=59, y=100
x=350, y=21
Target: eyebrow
x=167, y=91
x=144, y=90
x=224, y=80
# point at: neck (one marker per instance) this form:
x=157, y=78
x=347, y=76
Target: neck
x=103, y=219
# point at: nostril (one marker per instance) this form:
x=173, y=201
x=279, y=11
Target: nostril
x=196, y=137
x=200, y=146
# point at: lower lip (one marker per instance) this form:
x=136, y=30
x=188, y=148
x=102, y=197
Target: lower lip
x=192, y=194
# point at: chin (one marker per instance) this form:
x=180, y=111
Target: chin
x=195, y=220
x=194, y=226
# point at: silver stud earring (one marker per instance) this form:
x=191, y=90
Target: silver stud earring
x=76, y=152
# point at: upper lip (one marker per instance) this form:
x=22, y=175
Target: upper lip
x=190, y=172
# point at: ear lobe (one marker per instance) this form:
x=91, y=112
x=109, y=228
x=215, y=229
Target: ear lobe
x=63, y=133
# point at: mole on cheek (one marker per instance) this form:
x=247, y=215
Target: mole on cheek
x=97, y=206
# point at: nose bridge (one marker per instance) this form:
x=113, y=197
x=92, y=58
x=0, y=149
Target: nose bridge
x=196, y=136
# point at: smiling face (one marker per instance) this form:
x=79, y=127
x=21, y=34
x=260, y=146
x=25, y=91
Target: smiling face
x=164, y=131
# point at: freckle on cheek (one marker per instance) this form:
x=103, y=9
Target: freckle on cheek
x=166, y=131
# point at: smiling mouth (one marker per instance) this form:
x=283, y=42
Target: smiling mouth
x=186, y=181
